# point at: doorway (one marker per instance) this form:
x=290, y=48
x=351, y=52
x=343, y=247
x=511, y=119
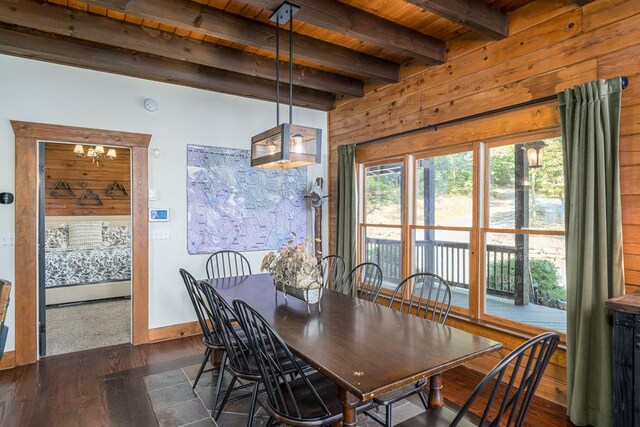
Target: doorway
x=28, y=135
x=85, y=251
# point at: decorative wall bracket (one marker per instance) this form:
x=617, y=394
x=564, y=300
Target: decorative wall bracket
x=89, y=198
x=115, y=188
x=62, y=186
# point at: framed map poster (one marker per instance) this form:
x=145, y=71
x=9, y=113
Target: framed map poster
x=232, y=206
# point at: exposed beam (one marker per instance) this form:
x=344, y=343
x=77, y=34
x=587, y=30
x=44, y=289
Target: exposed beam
x=192, y=16
x=65, y=50
x=342, y=18
x=474, y=14
x=64, y=21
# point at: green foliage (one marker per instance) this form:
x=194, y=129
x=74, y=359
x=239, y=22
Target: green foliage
x=544, y=274
x=383, y=189
x=453, y=174
x=544, y=181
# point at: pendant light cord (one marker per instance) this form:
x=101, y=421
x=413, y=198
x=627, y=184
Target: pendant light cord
x=277, y=73
x=290, y=63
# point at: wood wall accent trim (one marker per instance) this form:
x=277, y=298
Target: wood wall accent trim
x=58, y=20
x=217, y=23
x=26, y=280
x=81, y=174
x=474, y=14
x=65, y=50
x=599, y=40
x=345, y=19
x=140, y=245
x=8, y=360
x=171, y=332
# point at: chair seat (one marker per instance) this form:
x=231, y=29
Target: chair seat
x=308, y=406
x=437, y=417
x=399, y=394
x=251, y=371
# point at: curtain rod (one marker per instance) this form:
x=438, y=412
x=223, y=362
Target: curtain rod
x=625, y=83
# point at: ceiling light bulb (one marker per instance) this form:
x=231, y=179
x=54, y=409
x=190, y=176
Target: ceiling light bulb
x=298, y=146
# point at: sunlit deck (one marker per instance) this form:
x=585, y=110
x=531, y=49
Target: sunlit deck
x=537, y=315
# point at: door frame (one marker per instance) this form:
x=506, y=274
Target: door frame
x=27, y=136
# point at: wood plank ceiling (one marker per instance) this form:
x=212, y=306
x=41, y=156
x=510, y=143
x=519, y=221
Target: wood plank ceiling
x=229, y=45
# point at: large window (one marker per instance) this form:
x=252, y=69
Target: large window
x=487, y=217
x=443, y=219
x=382, y=225
x=524, y=234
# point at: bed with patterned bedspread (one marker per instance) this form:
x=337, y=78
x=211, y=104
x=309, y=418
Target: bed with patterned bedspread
x=103, y=254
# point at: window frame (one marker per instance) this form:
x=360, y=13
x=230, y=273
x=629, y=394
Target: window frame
x=471, y=229
x=477, y=231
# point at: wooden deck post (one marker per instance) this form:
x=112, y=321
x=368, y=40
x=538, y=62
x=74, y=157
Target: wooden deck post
x=522, y=281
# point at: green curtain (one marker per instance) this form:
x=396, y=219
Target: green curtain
x=347, y=208
x=590, y=116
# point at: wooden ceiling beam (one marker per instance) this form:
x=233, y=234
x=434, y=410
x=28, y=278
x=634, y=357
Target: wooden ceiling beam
x=78, y=24
x=474, y=14
x=342, y=18
x=192, y=16
x=33, y=44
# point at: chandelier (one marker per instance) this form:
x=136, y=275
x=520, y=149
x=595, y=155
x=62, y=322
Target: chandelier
x=96, y=154
x=287, y=145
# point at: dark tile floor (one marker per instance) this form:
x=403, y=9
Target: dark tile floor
x=175, y=404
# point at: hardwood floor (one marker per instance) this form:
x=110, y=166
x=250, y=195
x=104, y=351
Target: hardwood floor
x=105, y=387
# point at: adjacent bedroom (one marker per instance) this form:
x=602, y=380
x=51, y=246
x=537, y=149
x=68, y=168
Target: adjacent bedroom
x=85, y=247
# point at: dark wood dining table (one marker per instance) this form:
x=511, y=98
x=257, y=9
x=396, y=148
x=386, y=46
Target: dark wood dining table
x=366, y=349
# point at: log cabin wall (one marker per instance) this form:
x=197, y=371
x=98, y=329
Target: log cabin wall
x=61, y=164
x=552, y=45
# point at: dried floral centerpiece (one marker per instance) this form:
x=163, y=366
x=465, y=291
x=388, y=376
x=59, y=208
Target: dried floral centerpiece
x=295, y=272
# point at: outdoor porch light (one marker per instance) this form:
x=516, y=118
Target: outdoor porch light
x=287, y=145
x=534, y=153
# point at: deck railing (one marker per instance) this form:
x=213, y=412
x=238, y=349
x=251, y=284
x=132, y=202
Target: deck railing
x=447, y=259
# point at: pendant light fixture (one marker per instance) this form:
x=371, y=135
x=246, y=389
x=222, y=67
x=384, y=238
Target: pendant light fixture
x=287, y=145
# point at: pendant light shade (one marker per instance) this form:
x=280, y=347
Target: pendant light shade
x=287, y=145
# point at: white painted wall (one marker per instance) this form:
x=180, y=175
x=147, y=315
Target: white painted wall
x=48, y=93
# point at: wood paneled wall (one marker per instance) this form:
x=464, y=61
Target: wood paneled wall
x=82, y=175
x=552, y=45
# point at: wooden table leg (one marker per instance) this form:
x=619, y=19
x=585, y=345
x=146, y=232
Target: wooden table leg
x=349, y=405
x=216, y=359
x=435, y=391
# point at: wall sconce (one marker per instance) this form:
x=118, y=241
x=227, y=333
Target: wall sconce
x=535, y=153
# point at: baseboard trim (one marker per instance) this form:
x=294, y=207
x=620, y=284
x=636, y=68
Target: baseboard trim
x=8, y=360
x=172, y=332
